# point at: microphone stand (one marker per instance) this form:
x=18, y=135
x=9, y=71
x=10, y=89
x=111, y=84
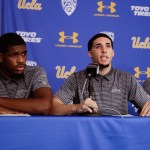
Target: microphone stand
x=91, y=70
x=90, y=87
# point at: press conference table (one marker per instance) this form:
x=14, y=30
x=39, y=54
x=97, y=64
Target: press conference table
x=74, y=133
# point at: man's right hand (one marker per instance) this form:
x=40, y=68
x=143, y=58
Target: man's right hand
x=88, y=105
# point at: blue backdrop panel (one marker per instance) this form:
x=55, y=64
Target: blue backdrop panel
x=57, y=32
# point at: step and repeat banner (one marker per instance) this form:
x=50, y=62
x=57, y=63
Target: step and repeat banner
x=57, y=32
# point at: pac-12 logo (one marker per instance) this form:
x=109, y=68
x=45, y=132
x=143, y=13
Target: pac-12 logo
x=69, y=6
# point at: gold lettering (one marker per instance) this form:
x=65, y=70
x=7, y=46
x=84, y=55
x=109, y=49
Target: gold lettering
x=147, y=43
x=138, y=44
x=21, y=4
x=38, y=6
x=134, y=43
x=27, y=6
x=33, y=5
x=61, y=72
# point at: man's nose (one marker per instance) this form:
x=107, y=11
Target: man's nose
x=21, y=59
x=104, y=50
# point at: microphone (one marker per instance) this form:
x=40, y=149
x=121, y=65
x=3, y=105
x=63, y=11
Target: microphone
x=92, y=70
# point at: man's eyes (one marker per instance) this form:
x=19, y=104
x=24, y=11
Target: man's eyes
x=100, y=46
x=15, y=55
x=108, y=45
x=24, y=53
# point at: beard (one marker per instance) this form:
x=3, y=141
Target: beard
x=104, y=66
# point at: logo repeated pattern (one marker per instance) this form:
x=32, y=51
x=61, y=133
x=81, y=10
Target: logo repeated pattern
x=104, y=9
x=56, y=31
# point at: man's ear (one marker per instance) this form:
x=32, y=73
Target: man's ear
x=113, y=53
x=90, y=54
x=1, y=57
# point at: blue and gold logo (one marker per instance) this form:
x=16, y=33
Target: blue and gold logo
x=101, y=7
x=65, y=40
x=137, y=43
x=111, y=7
x=33, y=5
x=61, y=73
x=73, y=37
x=139, y=72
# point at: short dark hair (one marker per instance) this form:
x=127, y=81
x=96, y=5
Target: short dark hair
x=90, y=43
x=10, y=39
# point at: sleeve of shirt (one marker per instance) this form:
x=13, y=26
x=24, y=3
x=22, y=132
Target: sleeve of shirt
x=68, y=90
x=137, y=94
x=40, y=79
x=146, y=86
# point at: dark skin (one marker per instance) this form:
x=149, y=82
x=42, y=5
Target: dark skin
x=12, y=63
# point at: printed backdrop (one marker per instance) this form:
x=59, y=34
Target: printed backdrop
x=57, y=32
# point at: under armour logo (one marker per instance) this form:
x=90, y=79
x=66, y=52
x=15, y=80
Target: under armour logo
x=63, y=37
x=111, y=7
x=69, y=6
x=138, y=72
